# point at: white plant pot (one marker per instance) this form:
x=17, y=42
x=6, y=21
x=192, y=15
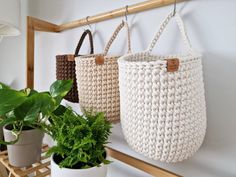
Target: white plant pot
x=56, y=171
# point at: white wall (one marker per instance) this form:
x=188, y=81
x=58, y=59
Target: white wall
x=211, y=26
x=12, y=54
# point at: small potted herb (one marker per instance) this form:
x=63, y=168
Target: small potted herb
x=80, y=147
x=23, y=115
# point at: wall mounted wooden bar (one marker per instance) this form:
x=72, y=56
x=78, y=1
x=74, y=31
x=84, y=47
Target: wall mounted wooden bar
x=143, y=6
x=34, y=24
x=139, y=164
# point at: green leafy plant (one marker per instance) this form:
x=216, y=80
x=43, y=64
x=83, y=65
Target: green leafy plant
x=27, y=108
x=80, y=139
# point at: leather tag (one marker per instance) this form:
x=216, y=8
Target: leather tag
x=99, y=60
x=172, y=65
x=70, y=58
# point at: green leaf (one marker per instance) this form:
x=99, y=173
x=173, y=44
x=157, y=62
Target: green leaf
x=38, y=103
x=10, y=99
x=7, y=120
x=60, y=110
x=28, y=111
x=47, y=103
x=80, y=139
x=57, y=100
x=106, y=162
x=10, y=142
x=29, y=92
x=3, y=86
x=60, y=88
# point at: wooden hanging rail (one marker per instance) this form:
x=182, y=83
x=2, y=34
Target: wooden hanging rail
x=34, y=24
x=139, y=164
x=143, y=6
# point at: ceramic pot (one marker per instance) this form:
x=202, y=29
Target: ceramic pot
x=56, y=171
x=27, y=150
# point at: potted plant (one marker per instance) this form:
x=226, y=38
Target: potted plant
x=2, y=86
x=23, y=115
x=80, y=150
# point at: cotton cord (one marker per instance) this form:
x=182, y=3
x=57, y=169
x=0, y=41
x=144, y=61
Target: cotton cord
x=98, y=85
x=163, y=114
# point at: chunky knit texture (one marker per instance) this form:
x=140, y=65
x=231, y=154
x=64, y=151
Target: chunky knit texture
x=65, y=67
x=163, y=114
x=65, y=70
x=98, y=84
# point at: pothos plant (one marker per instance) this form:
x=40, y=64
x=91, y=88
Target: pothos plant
x=80, y=139
x=28, y=108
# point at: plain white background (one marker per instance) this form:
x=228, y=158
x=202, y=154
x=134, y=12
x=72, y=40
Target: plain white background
x=211, y=26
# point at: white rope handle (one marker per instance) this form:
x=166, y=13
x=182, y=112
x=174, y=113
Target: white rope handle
x=114, y=35
x=180, y=24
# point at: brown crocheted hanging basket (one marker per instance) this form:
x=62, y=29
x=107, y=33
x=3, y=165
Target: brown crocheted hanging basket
x=65, y=67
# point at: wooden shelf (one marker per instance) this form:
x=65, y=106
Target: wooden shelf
x=39, y=169
x=42, y=168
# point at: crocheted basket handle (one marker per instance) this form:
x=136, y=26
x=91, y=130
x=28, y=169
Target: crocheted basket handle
x=85, y=33
x=114, y=35
x=180, y=24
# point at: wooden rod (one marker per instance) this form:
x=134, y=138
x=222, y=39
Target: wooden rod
x=34, y=24
x=143, y=6
x=41, y=25
x=139, y=164
x=30, y=53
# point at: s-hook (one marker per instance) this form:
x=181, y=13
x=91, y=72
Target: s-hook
x=174, y=10
x=126, y=13
x=88, y=23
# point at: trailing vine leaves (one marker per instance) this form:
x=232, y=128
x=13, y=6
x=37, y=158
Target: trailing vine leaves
x=29, y=108
x=10, y=99
x=3, y=86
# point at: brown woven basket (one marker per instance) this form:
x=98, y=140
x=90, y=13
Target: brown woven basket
x=65, y=67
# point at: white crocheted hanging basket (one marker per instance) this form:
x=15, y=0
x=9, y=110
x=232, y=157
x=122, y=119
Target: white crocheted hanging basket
x=163, y=110
x=97, y=80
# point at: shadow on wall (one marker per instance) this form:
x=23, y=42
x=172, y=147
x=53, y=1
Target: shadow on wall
x=219, y=72
x=207, y=169
x=218, y=149
x=219, y=144
x=97, y=35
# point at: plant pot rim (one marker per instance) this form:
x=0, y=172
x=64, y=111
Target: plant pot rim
x=6, y=129
x=72, y=169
